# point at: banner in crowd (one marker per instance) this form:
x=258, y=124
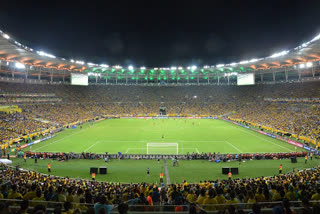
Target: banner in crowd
x=36, y=142
x=273, y=136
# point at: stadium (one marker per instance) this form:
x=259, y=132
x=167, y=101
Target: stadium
x=81, y=137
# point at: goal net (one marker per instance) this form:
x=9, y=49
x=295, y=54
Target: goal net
x=162, y=148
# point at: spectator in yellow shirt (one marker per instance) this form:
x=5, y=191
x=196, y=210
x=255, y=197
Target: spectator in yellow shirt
x=210, y=201
x=202, y=196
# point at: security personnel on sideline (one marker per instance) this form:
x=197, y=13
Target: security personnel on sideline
x=280, y=169
x=311, y=156
x=306, y=159
x=25, y=157
x=230, y=175
x=93, y=176
x=49, y=167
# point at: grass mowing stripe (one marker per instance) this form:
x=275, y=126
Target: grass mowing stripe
x=257, y=135
x=47, y=144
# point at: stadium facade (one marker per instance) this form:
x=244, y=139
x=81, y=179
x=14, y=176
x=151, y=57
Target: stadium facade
x=21, y=62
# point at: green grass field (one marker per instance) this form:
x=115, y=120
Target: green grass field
x=131, y=136
x=134, y=171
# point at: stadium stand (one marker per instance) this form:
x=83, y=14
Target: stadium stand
x=239, y=194
x=296, y=113
x=297, y=116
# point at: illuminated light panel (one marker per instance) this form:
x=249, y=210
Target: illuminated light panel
x=20, y=65
x=6, y=36
x=309, y=64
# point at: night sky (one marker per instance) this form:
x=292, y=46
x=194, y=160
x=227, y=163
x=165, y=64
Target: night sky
x=161, y=35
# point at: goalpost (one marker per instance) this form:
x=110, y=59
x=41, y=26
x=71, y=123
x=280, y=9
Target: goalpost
x=162, y=148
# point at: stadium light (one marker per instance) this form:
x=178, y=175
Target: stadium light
x=71, y=60
x=316, y=38
x=220, y=65
x=91, y=64
x=142, y=68
x=309, y=64
x=193, y=67
x=253, y=60
x=243, y=62
x=194, y=97
x=130, y=67
x=282, y=53
x=41, y=53
x=6, y=36
x=20, y=65
x=173, y=68
x=180, y=68
x=233, y=64
x=104, y=66
x=302, y=65
x=80, y=62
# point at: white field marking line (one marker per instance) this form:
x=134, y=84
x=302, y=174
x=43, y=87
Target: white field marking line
x=58, y=140
x=266, y=140
x=197, y=150
x=209, y=141
x=119, y=141
x=233, y=146
x=92, y=146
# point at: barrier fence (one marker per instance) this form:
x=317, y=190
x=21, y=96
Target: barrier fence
x=13, y=205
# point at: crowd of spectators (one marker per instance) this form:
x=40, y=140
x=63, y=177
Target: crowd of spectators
x=245, y=102
x=80, y=195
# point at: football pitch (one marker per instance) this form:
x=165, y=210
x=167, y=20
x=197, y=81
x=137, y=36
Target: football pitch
x=164, y=136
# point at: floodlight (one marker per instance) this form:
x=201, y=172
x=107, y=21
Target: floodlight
x=80, y=62
x=91, y=64
x=41, y=53
x=316, y=38
x=6, y=36
x=253, y=60
x=220, y=65
x=180, y=68
x=142, y=68
x=282, y=53
x=130, y=67
x=104, y=66
x=244, y=62
x=309, y=64
x=174, y=68
x=302, y=65
x=193, y=67
x=233, y=64
x=20, y=65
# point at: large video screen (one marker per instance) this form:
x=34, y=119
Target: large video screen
x=79, y=79
x=245, y=79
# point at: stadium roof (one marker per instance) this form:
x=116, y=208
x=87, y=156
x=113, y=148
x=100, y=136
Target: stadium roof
x=13, y=51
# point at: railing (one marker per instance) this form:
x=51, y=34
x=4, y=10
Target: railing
x=266, y=207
